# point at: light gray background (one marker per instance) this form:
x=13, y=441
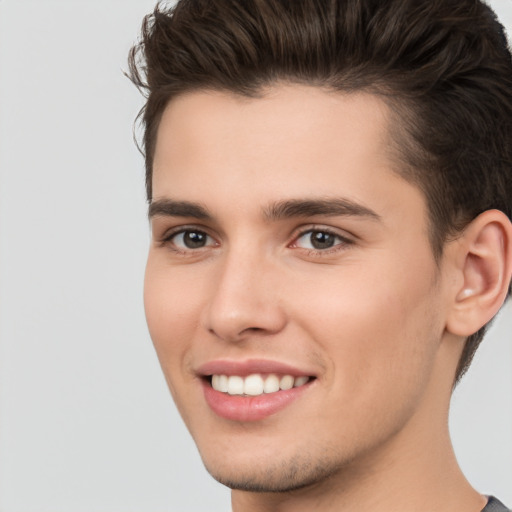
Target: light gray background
x=86, y=423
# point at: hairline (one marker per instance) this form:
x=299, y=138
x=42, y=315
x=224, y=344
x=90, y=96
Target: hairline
x=400, y=143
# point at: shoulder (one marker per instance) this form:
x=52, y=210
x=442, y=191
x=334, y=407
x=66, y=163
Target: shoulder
x=494, y=505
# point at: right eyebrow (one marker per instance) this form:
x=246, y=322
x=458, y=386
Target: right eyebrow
x=171, y=208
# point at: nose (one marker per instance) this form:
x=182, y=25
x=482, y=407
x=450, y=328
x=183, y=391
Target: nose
x=245, y=300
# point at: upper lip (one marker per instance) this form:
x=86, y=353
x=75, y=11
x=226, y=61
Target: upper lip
x=248, y=367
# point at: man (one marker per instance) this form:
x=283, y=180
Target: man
x=330, y=195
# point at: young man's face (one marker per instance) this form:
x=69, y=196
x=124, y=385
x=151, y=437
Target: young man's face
x=285, y=248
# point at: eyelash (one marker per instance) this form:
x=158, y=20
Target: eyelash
x=167, y=239
x=343, y=242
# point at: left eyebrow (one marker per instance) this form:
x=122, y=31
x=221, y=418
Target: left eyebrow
x=310, y=207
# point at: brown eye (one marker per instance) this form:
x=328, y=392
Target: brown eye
x=191, y=239
x=322, y=240
x=318, y=240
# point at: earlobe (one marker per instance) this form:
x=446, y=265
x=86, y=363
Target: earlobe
x=485, y=265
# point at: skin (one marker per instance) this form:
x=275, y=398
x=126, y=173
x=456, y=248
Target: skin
x=368, y=317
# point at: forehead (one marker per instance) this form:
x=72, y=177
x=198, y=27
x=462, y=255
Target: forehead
x=209, y=122
x=291, y=142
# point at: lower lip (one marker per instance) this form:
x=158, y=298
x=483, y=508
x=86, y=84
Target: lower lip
x=250, y=408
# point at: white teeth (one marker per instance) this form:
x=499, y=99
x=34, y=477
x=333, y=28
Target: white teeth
x=271, y=384
x=286, y=382
x=235, y=385
x=222, y=384
x=300, y=381
x=255, y=384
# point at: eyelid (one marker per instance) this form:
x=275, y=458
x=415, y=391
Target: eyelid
x=346, y=239
x=180, y=228
x=167, y=236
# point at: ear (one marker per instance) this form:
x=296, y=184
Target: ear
x=483, y=263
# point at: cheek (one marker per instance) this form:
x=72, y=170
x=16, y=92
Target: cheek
x=171, y=302
x=375, y=324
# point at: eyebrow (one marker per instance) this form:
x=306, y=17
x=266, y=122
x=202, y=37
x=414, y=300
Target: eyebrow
x=310, y=207
x=172, y=208
x=280, y=210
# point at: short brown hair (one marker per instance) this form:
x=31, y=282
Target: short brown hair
x=443, y=67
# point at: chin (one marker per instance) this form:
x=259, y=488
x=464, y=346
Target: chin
x=285, y=475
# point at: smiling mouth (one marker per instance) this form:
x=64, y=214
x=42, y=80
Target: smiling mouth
x=256, y=384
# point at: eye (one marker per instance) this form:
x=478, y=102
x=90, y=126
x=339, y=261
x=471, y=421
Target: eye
x=190, y=239
x=319, y=240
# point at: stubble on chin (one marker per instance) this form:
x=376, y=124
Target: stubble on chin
x=299, y=472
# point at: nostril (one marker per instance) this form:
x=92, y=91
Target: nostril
x=235, y=311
